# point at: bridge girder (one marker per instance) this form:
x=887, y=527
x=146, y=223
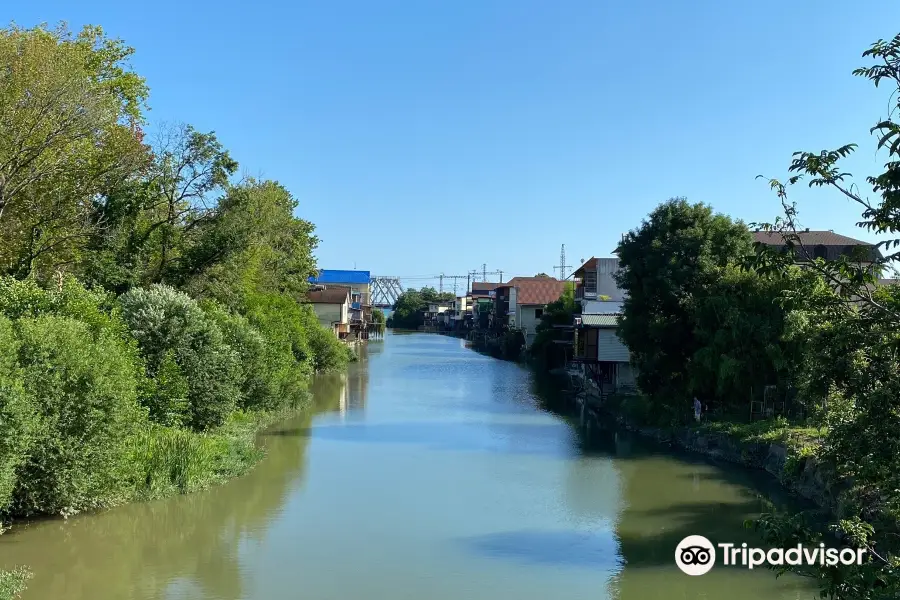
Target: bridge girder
x=385, y=291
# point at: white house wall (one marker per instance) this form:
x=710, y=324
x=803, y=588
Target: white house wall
x=328, y=314
x=528, y=322
x=606, y=282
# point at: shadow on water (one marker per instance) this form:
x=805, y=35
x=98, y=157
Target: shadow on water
x=595, y=550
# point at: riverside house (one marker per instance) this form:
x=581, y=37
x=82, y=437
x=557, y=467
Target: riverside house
x=598, y=353
x=827, y=245
x=482, y=303
x=332, y=306
x=520, y=303
x=359, y=283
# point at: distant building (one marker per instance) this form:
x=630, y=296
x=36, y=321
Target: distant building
x=359, y=283
x=604, y=359
x=332, y=306
x=521, y=301
x=826, y=245
x=482, y=302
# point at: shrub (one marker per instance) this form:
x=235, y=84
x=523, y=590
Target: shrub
x=328, y=352
x=259, y=384
x=83, y=389
x=17, y=418
x=280, y=321
x=96, y=308
x=177, y=339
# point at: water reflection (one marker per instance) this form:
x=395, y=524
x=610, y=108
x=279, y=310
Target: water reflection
x=429, y=471
x=191, y=546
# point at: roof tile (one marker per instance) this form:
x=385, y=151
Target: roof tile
x=537, y=290
x=332, y=294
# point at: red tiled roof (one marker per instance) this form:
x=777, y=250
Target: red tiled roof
x=484, y=286
x=537, y=290
x=332, y=294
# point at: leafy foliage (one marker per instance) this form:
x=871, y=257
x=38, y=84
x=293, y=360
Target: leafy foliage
x=83, y=389
x=70, y=110
x=12, y=583
x=852, y=367
x=18, y=419
x=409, y=312
x=177, y=338
x=677, y=256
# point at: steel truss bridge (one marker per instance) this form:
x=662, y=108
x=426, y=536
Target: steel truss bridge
x=386, y=289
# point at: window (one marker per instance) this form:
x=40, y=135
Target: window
x=538, y=313
x=820, y=252
x=590, y=282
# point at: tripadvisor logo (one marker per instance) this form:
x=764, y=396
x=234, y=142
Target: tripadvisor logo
x=696, y=555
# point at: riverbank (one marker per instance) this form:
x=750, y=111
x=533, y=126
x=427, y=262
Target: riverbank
x=786, y=452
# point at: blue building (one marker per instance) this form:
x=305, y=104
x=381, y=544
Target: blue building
x=360, y=291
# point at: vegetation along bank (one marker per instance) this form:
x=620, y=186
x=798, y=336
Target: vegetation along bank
x=151, y=305
x=710, y=312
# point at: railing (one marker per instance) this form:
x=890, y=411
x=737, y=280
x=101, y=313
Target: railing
x=584, y=292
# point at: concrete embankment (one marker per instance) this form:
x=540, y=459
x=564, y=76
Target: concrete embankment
x=801, y=474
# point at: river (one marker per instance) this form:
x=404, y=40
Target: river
x=427, y=471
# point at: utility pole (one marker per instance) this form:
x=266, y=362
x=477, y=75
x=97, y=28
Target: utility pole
x=468, y=283
x=501, y=276
x=484, y=271
x=562, y=263
x=441, y=285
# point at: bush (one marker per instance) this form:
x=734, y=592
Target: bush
x=328, y=352
x=280, y=321
x=17, y=418
x=96, y=308
x=259, y=384
x=83, y=389
x=179, y=342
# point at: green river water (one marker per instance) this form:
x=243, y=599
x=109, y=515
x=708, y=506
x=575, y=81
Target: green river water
x=427, y=472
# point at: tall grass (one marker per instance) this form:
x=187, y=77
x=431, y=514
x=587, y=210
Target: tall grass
x=12, y=583
x=174, y=460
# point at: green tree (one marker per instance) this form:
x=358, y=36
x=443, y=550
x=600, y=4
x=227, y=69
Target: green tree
x=151, y=224
x=548, y=354
x=70, y=116
x=409, y=309
x=678, y=252
x=250, y=241
x=851, y=332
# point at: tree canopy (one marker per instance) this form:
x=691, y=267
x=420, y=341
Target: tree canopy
x=677, y=254
x=849, y=328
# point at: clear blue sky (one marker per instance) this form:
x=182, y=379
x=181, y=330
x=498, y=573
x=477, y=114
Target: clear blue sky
x=425, y=136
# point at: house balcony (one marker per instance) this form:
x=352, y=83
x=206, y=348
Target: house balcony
x=583, y=292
